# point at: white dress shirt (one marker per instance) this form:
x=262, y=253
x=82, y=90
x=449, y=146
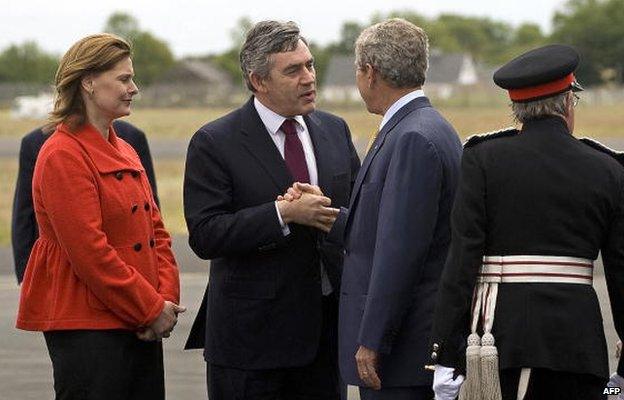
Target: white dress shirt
x=273, y=123
x=399, y=104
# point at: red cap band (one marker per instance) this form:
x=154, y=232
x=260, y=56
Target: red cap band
x=533, y=92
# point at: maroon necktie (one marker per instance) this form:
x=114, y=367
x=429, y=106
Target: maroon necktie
x=293, y=153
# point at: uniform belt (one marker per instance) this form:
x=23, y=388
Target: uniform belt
x=536, y=269
x=481, y=352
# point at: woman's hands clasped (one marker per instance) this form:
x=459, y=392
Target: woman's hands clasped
x=163, y=325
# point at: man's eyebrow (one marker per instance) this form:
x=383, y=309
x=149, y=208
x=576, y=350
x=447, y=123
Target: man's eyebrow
x=295, y=66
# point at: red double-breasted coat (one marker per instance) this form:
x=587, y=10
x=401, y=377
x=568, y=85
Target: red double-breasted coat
x=103, y=259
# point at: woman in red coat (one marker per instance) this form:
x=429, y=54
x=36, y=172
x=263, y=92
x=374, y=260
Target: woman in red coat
x=101, y=282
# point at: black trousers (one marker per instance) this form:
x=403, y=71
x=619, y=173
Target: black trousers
x=545, y=384
x=318, y=380
x=398, y=393
x=105, y=365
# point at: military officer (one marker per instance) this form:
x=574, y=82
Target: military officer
x=533, y=209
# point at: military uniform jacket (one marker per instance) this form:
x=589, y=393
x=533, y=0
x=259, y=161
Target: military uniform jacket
x=539, y=191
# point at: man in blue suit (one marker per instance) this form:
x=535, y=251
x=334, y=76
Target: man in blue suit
x=396, y=230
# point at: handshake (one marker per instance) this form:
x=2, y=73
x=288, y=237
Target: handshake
x=305, y=204
x=163, y=325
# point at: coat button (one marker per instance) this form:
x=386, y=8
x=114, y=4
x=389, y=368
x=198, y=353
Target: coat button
x=135, y=174
x=434, y=356
x=134, y=208
x=137, y=247
x=119, y=175
x=436, y=347
x=152, y=243
x=146, y=206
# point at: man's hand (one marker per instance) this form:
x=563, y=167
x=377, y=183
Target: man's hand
x=297, y=189
x=147, y=335
x=367, y=360
x=166, y=321
x=444, y=386
x=310, y=209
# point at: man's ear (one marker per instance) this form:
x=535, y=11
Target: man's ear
x=258, y=82
x=371, y=75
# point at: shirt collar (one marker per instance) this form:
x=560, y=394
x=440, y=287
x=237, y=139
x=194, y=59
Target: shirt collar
x=272, y=120
x=399, y=104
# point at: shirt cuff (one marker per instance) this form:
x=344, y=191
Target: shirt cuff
x=285, y=228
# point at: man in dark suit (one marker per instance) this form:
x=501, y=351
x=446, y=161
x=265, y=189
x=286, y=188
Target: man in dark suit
x=268, y=319
x=396, y=229
x=24, y=231
x=534, y=208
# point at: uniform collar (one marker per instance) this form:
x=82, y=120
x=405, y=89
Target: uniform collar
x=547, y=123
x=108, y=156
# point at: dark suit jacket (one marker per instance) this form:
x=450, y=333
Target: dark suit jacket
x=262, y=307
x=539, y=192
x=396, y=240
x=23, y=223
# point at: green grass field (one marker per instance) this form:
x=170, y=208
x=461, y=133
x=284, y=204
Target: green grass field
x=598, y=122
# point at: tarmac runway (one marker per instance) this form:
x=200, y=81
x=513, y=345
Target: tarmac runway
x=26, y=372
x=25, y=369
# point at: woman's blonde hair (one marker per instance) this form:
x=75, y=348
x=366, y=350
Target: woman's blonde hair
x=90, y=55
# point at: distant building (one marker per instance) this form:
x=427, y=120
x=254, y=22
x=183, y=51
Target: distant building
x=339, y=83
x=191, y=83
x=32, y=107
x=447, y=72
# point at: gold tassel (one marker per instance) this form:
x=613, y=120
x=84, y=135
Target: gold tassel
x=471, y=388
x=490, y=382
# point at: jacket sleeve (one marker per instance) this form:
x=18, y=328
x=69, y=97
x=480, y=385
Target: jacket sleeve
x=613, y=260
x=216, y=228
x=336, y=234
x=71, y=200
x=468, y=234
x=23, y=223
x=408, y=212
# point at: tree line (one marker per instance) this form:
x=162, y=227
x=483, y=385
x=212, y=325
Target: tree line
x=594, y=27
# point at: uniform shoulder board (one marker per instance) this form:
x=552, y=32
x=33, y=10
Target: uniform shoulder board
x=618, y=155
x=482, y=137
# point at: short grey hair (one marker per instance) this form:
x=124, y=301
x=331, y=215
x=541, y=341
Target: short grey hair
x=396, y=48
x=555, y=105
x=263, y=40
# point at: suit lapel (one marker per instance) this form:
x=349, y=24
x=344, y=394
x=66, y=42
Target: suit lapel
x=258, y=142
x=321, y=151
x=419, y=102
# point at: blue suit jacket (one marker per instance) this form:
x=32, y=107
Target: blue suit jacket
x=396, y=237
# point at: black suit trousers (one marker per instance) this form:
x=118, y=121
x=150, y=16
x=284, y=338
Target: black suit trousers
x=318, y=380
x=105, y=365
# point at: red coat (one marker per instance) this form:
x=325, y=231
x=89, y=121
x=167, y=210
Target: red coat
x=103, y=259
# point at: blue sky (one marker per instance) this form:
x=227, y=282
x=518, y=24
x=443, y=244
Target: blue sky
x=203, y=26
